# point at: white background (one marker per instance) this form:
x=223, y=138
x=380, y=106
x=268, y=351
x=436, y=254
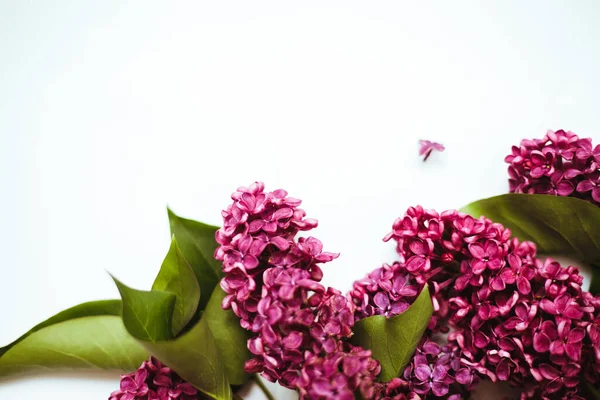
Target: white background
x=111, y=110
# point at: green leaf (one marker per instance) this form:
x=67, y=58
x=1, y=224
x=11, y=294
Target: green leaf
x=147, y=315
x=198, y=244
x=195, y=357
x=194, y=353
x=595, y=393
x=230, y=337
x=393, y=340
x=595, y=279
x=176, y=276
x=556, y=224
x=102, y=307
x=90, y=335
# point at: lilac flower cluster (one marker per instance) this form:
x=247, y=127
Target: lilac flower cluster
x=434, y=372
x=272, y=284
x=513, y=317
x=560, y=164
x=338, y=374
x=154, y=381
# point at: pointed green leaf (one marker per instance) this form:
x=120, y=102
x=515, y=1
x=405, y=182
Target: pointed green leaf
x=90, y=335
x=102, y=307
x=556, y=224
x=176, y=276
x=147, y=315
x=194, y=353
x=195, y=357
x=230, y=337
x=393, y=340
x=197, y=243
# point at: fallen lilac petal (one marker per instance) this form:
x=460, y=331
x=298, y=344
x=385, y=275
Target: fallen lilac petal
x=426, y=147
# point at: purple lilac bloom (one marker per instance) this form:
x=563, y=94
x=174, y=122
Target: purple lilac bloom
x=384, y=292
x=154, y=381
x=512, y=317
x=426, y=147
x=272, y=284
x=436, y=372
x=339, y=374
x=559, y=164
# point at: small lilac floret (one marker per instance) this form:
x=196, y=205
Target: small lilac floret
x=426, y=147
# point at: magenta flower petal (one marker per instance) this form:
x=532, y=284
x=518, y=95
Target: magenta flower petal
x=503, y=370
x=523, y=285
x=128, y=384
x=293, y=340
x=548, y=306
x=477, y=250
x=381, y=300
x=565, y=188
x=585, y=186
x=439, y=373
x=573, y=351
x=250, y=261
x=423, y=372
x=464, y=376
x=416, y=263
x=549, y=372
x=439, y=388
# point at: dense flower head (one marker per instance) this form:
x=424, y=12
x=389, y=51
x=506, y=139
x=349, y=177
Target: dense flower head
x=258, y=233
x=511, y=316
x=339, y=374
x=384, y=291
x=435, y=372
x=154, y=381
x=560, y=164
x=272, y=284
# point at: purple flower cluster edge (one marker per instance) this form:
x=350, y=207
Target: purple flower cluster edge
x=561, y=163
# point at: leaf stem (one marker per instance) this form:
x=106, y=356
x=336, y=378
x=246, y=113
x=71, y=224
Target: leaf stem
x=262, y=387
